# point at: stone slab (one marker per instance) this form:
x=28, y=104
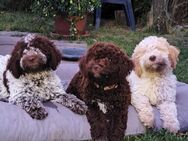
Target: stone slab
x=9, y=39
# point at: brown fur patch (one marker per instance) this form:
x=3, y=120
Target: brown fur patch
x=173, y=55
x=138, y=52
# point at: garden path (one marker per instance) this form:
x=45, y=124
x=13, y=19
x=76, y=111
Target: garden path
x=9, y=39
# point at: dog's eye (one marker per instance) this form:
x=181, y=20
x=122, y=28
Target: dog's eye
x=106, y=76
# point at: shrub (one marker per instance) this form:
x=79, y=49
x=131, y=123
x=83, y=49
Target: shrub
x=70, y=9
x=141, y=8
x=15, y=5
x=64, y=7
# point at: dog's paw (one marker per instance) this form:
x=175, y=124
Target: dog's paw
x=33, y=106
x=72, y=102
x=35, y=109
x=38, y=113
x=173, y=127
x=147, y=119
x=79, y=107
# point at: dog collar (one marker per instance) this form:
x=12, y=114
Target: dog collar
x=106, y=88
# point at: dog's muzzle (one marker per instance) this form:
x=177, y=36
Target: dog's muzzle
x=156, y=63
x=32, y=59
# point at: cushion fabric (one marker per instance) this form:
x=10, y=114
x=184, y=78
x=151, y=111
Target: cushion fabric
x=64, y=125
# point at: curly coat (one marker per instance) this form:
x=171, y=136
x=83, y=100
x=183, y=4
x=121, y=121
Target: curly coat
x=154, y=60
x=27, y=77
x=101, y=83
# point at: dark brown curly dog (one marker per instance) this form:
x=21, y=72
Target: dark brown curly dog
x=101, y=83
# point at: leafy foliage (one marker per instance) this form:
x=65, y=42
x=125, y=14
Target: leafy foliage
x=70, y=9
x=64, y=7
x=4, y=4
x=141, y=8
x=13, y=5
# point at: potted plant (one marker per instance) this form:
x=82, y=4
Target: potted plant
x=70, y=15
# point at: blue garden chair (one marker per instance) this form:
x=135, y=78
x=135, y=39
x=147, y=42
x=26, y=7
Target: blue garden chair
x=127, y=9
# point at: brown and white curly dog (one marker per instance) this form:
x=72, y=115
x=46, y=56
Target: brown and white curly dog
x=101, y=83
x=27, y=77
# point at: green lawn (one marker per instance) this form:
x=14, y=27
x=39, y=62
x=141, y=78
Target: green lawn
x=109, y=33
x=17, y=21
x=158, y=136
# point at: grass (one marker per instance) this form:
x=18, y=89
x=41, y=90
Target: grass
x=18, y=21
x=182, y=68
x=109, y=33
x=157, y=136
x=119, y=36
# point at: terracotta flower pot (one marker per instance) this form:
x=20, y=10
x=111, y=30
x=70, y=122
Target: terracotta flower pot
x=62, y=25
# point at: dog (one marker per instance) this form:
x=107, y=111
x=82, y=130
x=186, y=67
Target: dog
x=153, y=83
x=27, y=77
x=101, y=83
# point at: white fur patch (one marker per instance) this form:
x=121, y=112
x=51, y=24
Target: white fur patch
x=43, y=84
x=29, y=38
x=102, y=107
x=3, y=63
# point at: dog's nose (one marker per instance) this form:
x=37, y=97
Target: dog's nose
x=152, y=58
x=96, y=68
x=31, y=57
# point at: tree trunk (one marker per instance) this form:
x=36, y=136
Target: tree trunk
x=164, y=14
x=178, y=11
x=160, y=20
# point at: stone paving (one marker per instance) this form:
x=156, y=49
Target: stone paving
x=9, y=39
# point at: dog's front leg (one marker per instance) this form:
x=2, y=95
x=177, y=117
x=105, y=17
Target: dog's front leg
x=32, y=105
x=97, y=121
x=168, y=113
x=144, y=109
x=117, y=121
x=70, y=101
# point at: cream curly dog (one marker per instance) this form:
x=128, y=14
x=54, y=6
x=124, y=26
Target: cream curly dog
x=153, y=82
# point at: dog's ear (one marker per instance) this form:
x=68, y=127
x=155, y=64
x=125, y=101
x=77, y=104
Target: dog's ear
x=137, y=66
x=173, y=55
x=126, y=67
x=82, y=64
x=55, y=56
x=14, y=62
x=136, y=62
x=137, y=54
x=130, y=65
